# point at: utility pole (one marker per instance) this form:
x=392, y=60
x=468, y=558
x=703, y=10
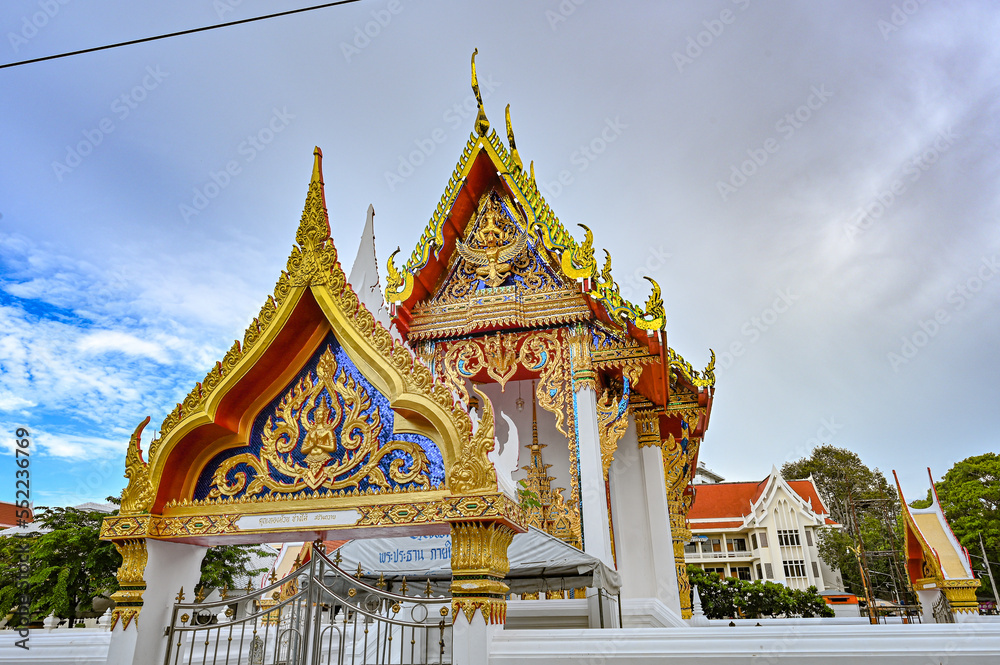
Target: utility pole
x=986, y=562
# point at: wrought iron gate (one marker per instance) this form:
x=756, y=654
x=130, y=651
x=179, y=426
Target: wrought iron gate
x=319, y=614
x=942, y=610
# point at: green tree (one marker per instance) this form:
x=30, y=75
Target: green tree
x=224, y=563
x=69, y=565
x=863, y=502
x=735, y=598
x=970, y=498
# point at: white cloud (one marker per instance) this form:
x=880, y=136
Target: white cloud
x=11, y=402
x=110, y=341
x=73, y=447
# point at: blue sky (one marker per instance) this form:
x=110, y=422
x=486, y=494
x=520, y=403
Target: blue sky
x=813, y=184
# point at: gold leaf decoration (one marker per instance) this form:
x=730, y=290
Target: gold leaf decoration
x=305, y=413
x=137, y=497
x=612, y=421
x=473, y=472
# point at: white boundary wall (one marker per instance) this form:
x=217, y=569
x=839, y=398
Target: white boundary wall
x=938, y=644
x=927, y=644
x=63, y=646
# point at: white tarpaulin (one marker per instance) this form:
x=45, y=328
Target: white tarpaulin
x=538, y=562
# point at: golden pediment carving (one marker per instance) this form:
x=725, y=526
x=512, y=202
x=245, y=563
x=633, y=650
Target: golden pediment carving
x=308, y=418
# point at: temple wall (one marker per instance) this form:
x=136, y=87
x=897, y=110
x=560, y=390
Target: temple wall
x=886, y=644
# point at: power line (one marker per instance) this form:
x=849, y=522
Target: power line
x=178, y=34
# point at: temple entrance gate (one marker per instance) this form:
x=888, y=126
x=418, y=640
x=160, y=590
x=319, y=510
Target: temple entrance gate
x=319, y=614
x=318, y=425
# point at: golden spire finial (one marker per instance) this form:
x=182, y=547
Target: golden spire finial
x=482, y=123
x=314, y=227
x=534, y=417
x=514, y=157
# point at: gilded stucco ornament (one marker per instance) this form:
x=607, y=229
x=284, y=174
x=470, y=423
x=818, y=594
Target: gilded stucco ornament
x=538, y=351
x=584, y=374
x=578, y=262
x=131, y=584
x=393, y=280
x=612, y=421
x=306, y=421
x=606, y=279
x=647, y=425
x=312, y=261
x=479, y=563
x=473, y=472
x=501, y=356
x=704, y=379
x=494, y=245
x=138, y=495
x=678, y=470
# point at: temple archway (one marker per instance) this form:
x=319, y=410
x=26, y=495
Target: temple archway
x=317, y=425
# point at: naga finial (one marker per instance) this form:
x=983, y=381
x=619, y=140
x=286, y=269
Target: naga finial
x=137, y=497
x=514, y=157
x=606, y=278
x=655, y=316
x=482, y=123
x=393, y=280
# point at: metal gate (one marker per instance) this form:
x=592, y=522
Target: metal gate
x=319, y=614
x=942, y=610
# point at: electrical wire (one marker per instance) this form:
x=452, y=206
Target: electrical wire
x=178, y=34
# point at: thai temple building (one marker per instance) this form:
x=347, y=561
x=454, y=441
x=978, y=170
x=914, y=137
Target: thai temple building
x=322, y=424
x=938, y=566
x=506, y=441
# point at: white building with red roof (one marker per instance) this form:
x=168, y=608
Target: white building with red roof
x=761, y=530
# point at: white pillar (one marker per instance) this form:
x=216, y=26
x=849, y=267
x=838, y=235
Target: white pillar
x=471, y=640
x=658, y=519
x=928, y=597
x=593, y=494
x=596, y=529
x=643, y=542
x=169, y=567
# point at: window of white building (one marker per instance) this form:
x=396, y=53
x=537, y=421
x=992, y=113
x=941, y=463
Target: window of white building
x=736, y=544
x=795, y=568
x=788, y=537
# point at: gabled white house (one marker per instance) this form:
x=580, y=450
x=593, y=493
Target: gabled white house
x=761, y=530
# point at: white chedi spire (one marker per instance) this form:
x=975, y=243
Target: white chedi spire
x=364, y=273
x=698, y=617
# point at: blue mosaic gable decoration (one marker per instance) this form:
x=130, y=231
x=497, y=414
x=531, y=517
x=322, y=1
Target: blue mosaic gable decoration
x=329, y=432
